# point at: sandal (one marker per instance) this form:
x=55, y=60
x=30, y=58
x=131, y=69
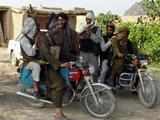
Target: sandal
x=61, y=118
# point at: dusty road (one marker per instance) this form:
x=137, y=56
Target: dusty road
x=13, y=107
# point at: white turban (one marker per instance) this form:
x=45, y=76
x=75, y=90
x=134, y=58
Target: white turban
x=91, y=16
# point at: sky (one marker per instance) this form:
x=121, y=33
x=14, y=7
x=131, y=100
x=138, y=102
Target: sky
x=98, y=6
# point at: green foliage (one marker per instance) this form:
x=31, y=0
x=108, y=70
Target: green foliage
x=147, y=38
x=102, y=19
x=152, y=7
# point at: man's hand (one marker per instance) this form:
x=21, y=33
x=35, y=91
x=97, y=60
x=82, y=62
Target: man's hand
x=120, y=55
x=64, y=65
x=34, y=46
x=85, y=35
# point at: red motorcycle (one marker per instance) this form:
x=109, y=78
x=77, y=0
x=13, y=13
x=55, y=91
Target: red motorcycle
x=96, y=98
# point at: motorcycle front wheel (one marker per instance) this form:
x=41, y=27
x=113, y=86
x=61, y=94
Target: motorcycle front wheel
x=147, y=91
x=106, y=101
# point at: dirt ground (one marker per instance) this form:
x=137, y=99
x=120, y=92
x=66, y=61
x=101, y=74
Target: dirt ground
x=13, y=107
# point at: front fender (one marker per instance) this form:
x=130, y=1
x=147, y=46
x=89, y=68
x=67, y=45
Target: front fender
x=101, y=84
x=95, y=84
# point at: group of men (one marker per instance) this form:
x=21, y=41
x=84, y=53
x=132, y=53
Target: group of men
x=106, y=53
x=62, y=44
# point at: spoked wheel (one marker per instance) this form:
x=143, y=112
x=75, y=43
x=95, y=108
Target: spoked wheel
x=147, y=91
x=68, y=97
x=105, y=101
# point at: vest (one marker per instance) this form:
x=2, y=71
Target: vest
x=27, y=58
x=108, y=53
x=89, y=46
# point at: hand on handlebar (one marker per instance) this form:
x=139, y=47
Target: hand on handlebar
x=65, y=65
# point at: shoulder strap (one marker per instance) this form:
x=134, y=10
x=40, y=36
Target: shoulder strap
x=94, y=29
x=51, y=42
x=25, y=56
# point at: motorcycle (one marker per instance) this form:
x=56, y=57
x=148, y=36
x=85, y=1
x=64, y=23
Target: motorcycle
x=96, y=98
x=136, y=78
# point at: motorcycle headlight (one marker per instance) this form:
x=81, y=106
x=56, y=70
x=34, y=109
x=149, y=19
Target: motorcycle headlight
x=91, y=69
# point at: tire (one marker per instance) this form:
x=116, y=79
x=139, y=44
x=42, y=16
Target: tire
x=68, y=96
x=148, y=97
x=105, y=96
x=13, y=59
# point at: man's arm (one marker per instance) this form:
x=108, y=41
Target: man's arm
x=46, y=53
x=115, y=47
x=27, y=47
x=132, y=48
x=75, y=40
x=96, y=37
x=105, y=46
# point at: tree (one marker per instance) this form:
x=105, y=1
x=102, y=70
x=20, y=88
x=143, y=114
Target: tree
x=152, y=7
x=103, y=19
x=146, y=37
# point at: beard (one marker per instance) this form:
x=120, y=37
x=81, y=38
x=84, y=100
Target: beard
x=109, y=35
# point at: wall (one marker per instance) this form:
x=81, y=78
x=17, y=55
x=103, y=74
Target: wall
x=17, y=20
x=2, y=37
x=72, y=21
x=144, y=18
x=129, y=18
x=16, y=17
x=42, y=21
x=80, y=21
x=6, y=25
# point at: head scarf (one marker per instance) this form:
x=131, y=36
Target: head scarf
x=91, y=16
x=30, y=27
x=51, y=21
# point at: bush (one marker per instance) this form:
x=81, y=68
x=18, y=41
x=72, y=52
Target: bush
x=103, y=19
x=147, y=38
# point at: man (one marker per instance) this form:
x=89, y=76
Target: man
x=65, y=38
x=59, y=46
x=90, y=37
x=28, y=48
x=121, y=47
x=106, y=52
